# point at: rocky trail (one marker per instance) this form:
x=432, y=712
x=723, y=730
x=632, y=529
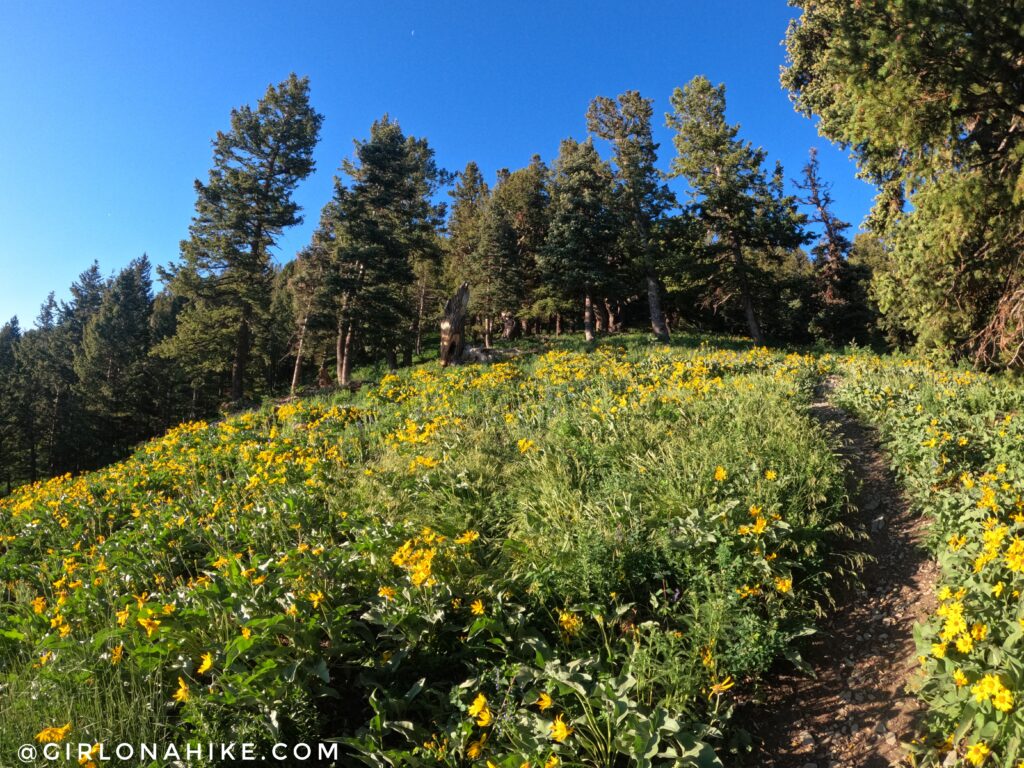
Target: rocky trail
x=856, y=710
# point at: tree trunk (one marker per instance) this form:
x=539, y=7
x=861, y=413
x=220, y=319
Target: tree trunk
x=453, y=326
x=487, y=332
x=613, y=323
x=558, y=323
x=419, y=318
x=297, y=372
x=588, y=318
x=344, y=354
x=391, y=358
x=242, y=343
x=748, y=302
x=658, y=324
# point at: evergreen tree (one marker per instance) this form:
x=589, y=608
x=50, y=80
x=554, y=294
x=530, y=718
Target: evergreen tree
x=113, y=365
x=10, y=442
x=226, y=273
x=496, y=291
x=382, y=223
x=43, y=359
x=311, y=297
x=469, y=199
x=741, y=206
x=838, y=316
x=927, y=95
x=626, y=124
x=523, y=199
x=575, y=260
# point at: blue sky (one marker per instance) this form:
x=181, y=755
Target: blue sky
x=107, y=109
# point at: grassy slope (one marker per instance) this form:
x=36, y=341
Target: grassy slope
x=630, y=531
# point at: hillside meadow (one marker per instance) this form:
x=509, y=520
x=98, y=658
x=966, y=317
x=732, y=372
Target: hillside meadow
x=567, y=558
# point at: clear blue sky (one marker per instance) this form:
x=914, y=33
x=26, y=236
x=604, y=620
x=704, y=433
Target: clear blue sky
x=107, y=109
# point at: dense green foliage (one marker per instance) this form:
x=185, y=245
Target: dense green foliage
x=635, y=532
x=225, y=277
x=947, y=160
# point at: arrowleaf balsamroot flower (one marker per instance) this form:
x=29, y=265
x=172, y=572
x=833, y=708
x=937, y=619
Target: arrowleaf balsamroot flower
x=560, y=731
x=53, y=734
x=181, y=695
x=207, y=664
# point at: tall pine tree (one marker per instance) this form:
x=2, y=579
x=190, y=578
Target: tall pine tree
x=626, y=124
x=576, y=258
x=741, y=206
x=225, y=275
x=382, y=222
x=113, y=365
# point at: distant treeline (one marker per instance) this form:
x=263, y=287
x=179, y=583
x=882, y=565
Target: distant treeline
x=582, y=244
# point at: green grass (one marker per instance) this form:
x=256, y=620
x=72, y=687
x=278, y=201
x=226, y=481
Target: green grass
x=636, y=531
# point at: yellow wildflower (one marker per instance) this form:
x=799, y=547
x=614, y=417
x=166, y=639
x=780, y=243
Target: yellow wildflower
x=570, y=623
x=977, y=753
x=560, y=731
x=467, y=538
x=150, y=625
x=721, y=687
x=181, y=695
x=206, y=665
x=53, y=734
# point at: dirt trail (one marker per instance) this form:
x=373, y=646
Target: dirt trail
x=856, y=711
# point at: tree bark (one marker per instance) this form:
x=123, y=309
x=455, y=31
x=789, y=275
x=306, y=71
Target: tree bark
x=243, y=339
x=748, y=302
x=613, y=323
x=344, y=354
x=588, y=318
x=297, y=372
x=658, y=324
x=453, y=327
x=419, y=318
x=558, y=323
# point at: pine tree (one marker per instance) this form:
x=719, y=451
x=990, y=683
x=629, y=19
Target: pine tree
x=839, y=317
x=469, y=199
x=311, y=297
x=226, y=274
x=496, y=266
x=382, y=223
x=113, y=365
x=926, y=94
x=626, y=124
x=739, y=204
x=523, y=200
x=575, y=260
x=10, y=442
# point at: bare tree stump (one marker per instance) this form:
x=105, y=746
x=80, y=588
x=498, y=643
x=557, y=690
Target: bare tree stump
x=453, y=326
